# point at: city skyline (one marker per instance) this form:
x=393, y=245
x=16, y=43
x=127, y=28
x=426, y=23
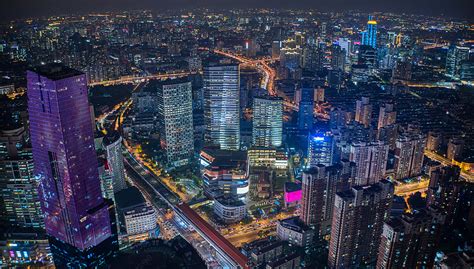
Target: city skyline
x=29, y=8
x=236, y=138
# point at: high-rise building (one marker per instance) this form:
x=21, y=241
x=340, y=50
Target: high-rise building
x=113, y=147
x=409, y=154
x=387, y=115
x=371, y=161
x=410, y=240
x=290, y=57
x=346, y=45
x=276, y=46
x=369, y=36
x=444, y=189
x=456, y=55
x=320, y=149
x=267, y=121
x=19, y=201
x=433, y=142
x=221, y=105
x=401, y=72
x=175, y=113
x=363, y=113
x=338, y=58
x=319, y=187
x=357, y=223
x=77, y=218
x=367, y=55
x=455, y=148
x=306, y=105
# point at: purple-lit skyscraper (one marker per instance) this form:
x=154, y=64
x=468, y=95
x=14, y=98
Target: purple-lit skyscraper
x=65, y=159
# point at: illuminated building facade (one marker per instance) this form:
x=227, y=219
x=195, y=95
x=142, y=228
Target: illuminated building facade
x=320, y=149
x=319, y=187
x=357, y=224
x=369, y=36
x=363, y=113
x=410, y=240
x=221, y=105
x=224, y=173
x=19, y=201
x=306, y=105
x=292, y=194
x=267, y=121
x=113, y=147
x=409, y=154
x=371, y=161
x=175, y=110
x=77, y=218
x=229, y=210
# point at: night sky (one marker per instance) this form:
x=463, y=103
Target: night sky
x=12, y=9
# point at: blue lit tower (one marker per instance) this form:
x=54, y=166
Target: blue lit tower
x=369, y=36
x=320, y=149
x=76, y=217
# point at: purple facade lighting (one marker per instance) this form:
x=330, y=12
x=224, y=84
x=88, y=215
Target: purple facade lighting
x=65, y=158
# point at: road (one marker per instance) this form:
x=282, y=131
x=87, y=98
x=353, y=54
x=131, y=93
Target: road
x=407, y=189
x=447, y=162
x=240, y=239
x=163, y=199
x=133, y=80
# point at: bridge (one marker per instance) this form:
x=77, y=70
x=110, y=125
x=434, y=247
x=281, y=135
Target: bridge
x=227, y=253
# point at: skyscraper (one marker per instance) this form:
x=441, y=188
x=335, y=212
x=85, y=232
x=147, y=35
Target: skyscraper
x=369, y=36
x=410, y=241
x=306, y=105
x=444, y=191
x=338, y=58
x=267, y=121
x=320, y=149
x=76, y=216
x=357, y=222
x=455, y=148
x=221, y=105
x=433, y=142
x=371, y=161
x=456, y=55
x=19, y=201
x=319, y=187
x=113, y=148
x=363, y=113
x=175, y=113
x=387, y=115
x=409, y=154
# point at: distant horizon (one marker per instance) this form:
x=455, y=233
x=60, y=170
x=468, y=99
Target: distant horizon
x=24, y=9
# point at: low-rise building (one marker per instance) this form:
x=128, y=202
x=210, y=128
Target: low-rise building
x=289, y=261
x=224, y=172
x=229, y=210
x=23, y=246
x=134, y=214
x=295, y=232
x=263, y=251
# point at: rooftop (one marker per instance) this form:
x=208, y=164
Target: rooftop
x=292, y=186
x=295, y=224
x=283, y=260
x=129, y=197
x=56, y=71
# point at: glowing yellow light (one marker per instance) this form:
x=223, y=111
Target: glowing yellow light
x=371, y=22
